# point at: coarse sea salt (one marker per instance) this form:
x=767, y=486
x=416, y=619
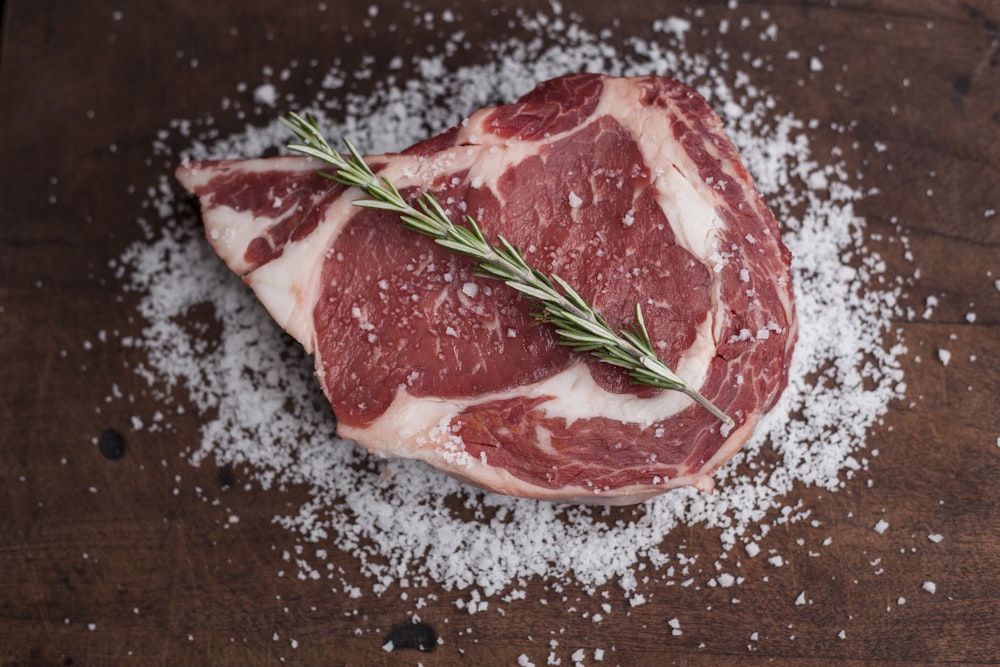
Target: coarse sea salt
x=262, y=409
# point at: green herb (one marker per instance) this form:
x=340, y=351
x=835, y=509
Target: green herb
x=576, y=323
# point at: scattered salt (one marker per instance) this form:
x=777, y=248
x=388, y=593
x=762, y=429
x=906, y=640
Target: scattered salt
x=929, y=586
x=844, y=317
x=881, y=526
x=944, y=356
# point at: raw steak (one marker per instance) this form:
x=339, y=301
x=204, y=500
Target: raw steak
x=627, y=188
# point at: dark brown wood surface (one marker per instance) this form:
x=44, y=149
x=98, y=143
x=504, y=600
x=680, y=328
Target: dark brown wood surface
x=131, y=561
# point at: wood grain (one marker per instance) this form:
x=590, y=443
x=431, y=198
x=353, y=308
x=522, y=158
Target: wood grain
x=133, y=561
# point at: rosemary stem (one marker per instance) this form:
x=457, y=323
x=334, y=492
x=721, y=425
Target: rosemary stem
x=576, y=323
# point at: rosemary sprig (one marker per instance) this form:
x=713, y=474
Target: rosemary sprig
x=577, y=324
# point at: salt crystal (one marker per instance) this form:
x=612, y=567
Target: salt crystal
x=265, y=94
x=929, y=586
x=881, y=526
x=674, y=25
x=935, y=537
x=930, y=303
x=944, y=356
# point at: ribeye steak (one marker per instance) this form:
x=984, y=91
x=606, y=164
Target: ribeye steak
x=629, y=189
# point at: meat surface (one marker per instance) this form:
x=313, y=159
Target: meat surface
x=629, y=189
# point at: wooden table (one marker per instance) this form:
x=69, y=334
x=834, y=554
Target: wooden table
x=132, y=561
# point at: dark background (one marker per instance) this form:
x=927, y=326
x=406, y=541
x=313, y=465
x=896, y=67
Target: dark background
x=163, y=581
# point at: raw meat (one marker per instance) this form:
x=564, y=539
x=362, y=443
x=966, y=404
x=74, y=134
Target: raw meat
x=627, y=188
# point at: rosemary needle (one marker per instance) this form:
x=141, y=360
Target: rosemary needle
x=576, y=323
